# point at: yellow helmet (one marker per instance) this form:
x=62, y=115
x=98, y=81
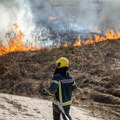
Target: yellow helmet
x=62, y=62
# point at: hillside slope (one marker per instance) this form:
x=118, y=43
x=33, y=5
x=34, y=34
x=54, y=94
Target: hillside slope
x=96, y=69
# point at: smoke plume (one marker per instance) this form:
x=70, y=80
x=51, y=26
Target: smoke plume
x=76, y=15
x=15, y=11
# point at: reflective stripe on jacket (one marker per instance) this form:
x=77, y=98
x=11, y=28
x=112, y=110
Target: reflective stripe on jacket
x=62, y=87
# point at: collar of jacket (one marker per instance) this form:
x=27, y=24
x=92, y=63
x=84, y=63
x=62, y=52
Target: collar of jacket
x=63, y=71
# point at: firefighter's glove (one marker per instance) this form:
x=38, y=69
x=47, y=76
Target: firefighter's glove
x=44, y=91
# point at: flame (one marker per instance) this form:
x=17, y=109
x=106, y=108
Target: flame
x=110, y=35
x=16, y=44
x=78, y=42
x=65, y=45
x=89, y=41
x=52, y=18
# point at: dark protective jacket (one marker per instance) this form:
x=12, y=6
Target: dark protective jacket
x=62, y=86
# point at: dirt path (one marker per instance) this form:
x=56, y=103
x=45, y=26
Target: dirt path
x=23, y=108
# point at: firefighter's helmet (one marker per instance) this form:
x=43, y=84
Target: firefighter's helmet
x=62, y=62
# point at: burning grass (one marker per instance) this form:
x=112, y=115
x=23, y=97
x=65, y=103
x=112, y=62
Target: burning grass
x=16, y=44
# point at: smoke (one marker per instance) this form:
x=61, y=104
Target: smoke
x=15, y=11
x=76, y=15
x=109, y=15
x=100, y=14
x=91, y=15
x=63, y=10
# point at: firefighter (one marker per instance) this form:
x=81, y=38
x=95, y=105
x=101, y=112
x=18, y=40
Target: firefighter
x=62, y=86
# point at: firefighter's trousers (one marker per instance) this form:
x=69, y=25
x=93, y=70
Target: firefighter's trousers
x=57, y=112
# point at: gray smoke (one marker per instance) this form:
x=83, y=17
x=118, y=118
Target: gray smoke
x=78, y=14
x=32, y=15
x=15, y=11
x=110, y=15
x=65, y=11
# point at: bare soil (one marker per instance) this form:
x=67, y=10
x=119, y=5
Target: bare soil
x=14, y=107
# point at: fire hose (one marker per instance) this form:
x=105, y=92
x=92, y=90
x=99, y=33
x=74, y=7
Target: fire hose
x=57, y=102
x=61, y=108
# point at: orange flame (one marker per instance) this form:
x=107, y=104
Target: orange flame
x=89, y=41
x=52, y=18
x=65, y=45
x=16, y=44
x=110, y=35
x=78, y=42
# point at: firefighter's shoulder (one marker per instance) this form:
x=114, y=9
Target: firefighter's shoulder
x=57, y=76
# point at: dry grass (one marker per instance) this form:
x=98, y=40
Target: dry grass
x=96, y=69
